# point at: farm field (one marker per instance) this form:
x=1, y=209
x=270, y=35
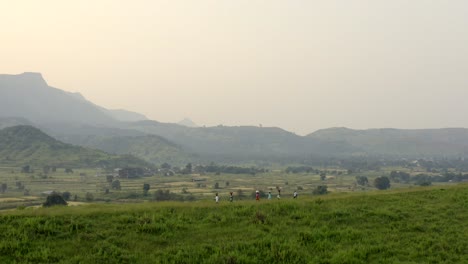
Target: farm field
x=419, y=225
x=26, y=189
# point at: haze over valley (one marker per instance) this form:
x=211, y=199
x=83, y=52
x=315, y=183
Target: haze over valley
x=27, y=99
x=246, y=131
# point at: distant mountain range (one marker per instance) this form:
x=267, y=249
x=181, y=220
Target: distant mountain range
x=26, y=99
x=444, y=142
x=27, y=145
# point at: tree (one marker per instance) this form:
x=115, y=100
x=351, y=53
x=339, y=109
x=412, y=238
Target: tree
x=109, y=178
x=227, y=183
x=68, y=170
x=362, y=180
x=319, y=190
x=399, y=176
x=187, y=169
x=116, y=185
x=323, y=176
x=66, y=195
x=54, y=199
x=20, y=185
x=26, y=169
x=216, y=185
x=146, y=188
x=424, y=182
x=165, y=166
x=3, y=187
x=89, y=197
x=382, y=183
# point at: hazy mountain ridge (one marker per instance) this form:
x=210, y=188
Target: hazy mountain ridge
x=241, y=142
x=20, y=145
x=69, y=117
x=28, y=95
x=401, y=142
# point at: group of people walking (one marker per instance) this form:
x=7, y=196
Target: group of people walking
x=257, y=196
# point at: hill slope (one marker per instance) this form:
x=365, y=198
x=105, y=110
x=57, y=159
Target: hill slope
x=152, y=148
x=451, y=142
x=28, y=96
x=20, y=145
x=242, y=143
x=388, y=227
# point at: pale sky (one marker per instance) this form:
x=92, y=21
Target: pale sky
x=298, y=65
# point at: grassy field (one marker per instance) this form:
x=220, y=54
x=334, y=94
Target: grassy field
x=421, y=225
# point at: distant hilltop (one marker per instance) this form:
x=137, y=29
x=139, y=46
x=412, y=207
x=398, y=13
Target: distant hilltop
x=28, y=95
x=187, y=122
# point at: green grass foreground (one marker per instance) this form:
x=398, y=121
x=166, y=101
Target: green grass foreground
x=413, y=226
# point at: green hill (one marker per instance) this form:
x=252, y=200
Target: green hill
x=418, y=226
x=20, y=145
x=152, y=148
x=241, y=143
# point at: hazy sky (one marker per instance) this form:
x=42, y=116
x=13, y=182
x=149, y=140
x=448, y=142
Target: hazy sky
x=299, y=65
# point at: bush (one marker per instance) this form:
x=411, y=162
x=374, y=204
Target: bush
x=146, y=188
x=66, y=195
x=89, y=197
x=54, y=199
x=362, y=180
x=116, y=185
x=382, y=183
x=320, y=190
x=424, y=183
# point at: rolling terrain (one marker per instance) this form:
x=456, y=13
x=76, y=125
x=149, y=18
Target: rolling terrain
x=27, y=145
x=377, y=227
x=413, y=143
x=26, y=99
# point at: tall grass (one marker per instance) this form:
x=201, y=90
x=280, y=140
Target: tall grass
x=427, y=225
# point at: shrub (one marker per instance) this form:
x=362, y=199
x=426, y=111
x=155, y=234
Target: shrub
x=116, y=185
x=320, y=190
x=146, y=188
x=382, y=183
x=89, y=197
x=54, y=199
x=66, y=195
x=362, y=180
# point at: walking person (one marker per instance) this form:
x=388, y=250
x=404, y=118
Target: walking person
x=257, y=195
x=295, y=195
x=269, y=195
x=231, y=197
x=217, y=198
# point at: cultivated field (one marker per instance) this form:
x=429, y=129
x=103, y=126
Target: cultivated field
x=27, y=189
